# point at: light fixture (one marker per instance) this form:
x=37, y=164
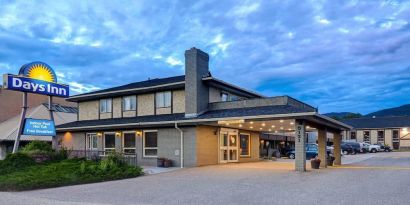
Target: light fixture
x=240, y=125
x=263, y=124
x=260, y=128
x=281, y=128
x=99, y=134
x=281, y=121
x=308, y=127
x=276, y=131
x=292, y=123
x=270, y=130
x=251, y=122
x=273, y=126
x=139, y=133
x=251, y=127
x=289, y=129
x=227, y=123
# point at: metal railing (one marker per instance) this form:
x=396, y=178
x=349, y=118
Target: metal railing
x=128, y=158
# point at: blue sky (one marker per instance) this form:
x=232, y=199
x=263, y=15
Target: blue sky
x=337, y=55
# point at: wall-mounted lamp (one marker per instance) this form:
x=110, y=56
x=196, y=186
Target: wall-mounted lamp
x=118, y=134
x=139, y=133
x=99, y=134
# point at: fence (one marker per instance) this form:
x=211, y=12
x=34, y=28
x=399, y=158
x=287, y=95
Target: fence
x=130, y=159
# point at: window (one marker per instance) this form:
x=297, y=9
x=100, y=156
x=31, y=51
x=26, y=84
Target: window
x=224, y=97
x=396, y=137
x=163, y=99
x=244, y=144
x=366, y=136
x=92, y=141
x=109, y=142
x=352, y=135
x=129, y=103
x=150, y=143
x=380, y=137
x=129, y=140
x=105, y=105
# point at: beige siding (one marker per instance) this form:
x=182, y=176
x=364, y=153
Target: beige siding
x=116, y=107
x=359, y=135
x=72, y=140
x=178, y=101
x=105, y=115
x=129, y=113
x=88, y=110
x=373, y=136
x=207, y=145
x=254, y=148
x=214, y=95
x=388, y=134
x=145, y=104
x=164, y=110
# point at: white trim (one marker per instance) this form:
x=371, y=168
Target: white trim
x=249, y=144
x=149, y=148
x=195, y=120
x=126, y=90
x=87, y=141
x=123, y=144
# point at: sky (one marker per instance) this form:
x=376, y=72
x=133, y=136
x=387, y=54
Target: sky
x=335, y=55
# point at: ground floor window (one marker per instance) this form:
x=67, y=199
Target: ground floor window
x=150, y=143
x=352, y=135
x=92, y=141
x=366, y=136
x=109, y=142
x=129, y=141
x=244, y=144
x=380, y=137
x=396, y=139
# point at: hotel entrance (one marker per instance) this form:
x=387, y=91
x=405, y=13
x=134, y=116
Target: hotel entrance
x=228, y=145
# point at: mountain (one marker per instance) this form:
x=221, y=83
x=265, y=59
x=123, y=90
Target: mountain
x=403, y=110
x=343, y=115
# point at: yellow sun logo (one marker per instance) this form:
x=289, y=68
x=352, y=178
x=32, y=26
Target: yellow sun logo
x=39, y=71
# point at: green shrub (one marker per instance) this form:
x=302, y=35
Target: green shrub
x=15, y=162
x=37, y=145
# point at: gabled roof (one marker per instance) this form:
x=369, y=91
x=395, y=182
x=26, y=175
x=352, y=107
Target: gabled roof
x=9, y=128
x=379, y=122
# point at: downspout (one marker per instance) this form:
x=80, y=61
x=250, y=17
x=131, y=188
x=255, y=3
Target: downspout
x=182, y=144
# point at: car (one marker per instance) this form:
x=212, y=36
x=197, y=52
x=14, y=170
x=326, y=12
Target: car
x=356, y=148
x=383, y=147
x=311, y=151
x=347, y=149
x=372, y=147
x=364, y=147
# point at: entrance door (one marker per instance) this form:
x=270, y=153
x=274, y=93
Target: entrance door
x=228, y=145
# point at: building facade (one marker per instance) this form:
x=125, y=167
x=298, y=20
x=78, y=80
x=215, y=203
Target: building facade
x=393, y=131
x=194, y=119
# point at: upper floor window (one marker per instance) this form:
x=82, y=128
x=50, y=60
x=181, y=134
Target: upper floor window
x=224, y=97
x=105, y=105
x=163, y=99
x=129, y=103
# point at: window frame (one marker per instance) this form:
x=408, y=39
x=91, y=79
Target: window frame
x=384, y=136
x=129, y=148
x=88, y=136
x=149, y=148
x=398, y=136
x=355, y=135
x=106, y=104
x=158, y=96
x=222, y=97
x=105, y=149
x=249, y=144
x=131, y=108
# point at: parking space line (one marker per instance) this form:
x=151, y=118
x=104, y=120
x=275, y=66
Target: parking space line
x=370, y=167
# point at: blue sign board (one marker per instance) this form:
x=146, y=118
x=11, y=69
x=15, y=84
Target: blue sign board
x=25, y=84
x=39, y=127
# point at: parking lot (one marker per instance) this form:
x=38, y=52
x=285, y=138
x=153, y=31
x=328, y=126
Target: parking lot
x=379, y=178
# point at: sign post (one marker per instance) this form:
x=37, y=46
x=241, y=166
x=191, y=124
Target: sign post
x=39, y=78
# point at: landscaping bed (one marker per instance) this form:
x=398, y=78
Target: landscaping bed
x=20, y=171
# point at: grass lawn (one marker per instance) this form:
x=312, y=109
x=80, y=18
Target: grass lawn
x=22, y=174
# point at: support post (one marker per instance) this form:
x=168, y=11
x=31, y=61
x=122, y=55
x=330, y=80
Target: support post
x=21, y=124
x=54, y=142
x=300, y=146
x=321, y=139
x=337, y=140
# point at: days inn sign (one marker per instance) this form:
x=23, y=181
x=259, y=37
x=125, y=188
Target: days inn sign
x=36, y=77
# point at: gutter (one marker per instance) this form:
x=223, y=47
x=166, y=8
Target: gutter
x=182, y=144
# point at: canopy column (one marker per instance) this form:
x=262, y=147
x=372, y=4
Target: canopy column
x=322, y=139
x=300, y=146
x=337, y=140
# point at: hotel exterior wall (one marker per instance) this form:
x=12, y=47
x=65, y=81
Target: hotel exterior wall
x=178, y=101
x=254, y=148
x=146, y=104
x=88, y=110
x=207, y=145
x=116, y=107
x=72, y=140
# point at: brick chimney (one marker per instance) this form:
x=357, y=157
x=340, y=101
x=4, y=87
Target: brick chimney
x=196, y=92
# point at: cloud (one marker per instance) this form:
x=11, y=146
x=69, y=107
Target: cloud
x=337, y=55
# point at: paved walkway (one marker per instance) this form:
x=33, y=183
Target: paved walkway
x=251, y=183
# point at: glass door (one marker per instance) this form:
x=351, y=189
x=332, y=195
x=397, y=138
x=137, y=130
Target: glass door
x=228, y=145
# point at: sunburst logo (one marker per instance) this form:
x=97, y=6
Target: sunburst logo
x=38, y=71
